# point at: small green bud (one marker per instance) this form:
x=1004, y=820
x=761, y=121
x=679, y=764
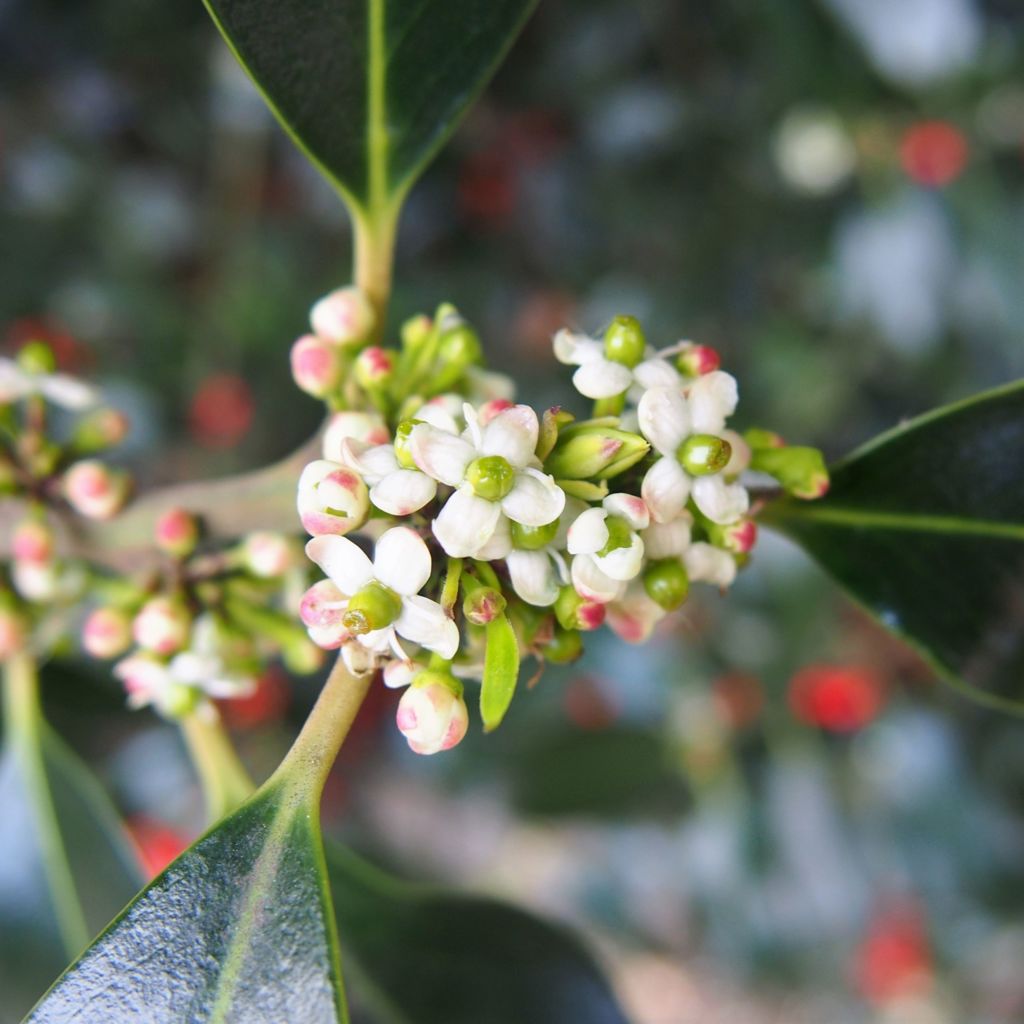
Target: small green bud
x=460, y=346
x=757, y=437
x=576, y=612
x=374, y=367
x=564, y=646
x=491, y=477
x=666, y=583
x=483, y=605
x=704, y=454
x=37, y=357
x=800, y=471
x=373, y=607
x=416, y=330
x=402, y=453
x=624, y=341
x=533, y=538
x=550, y=424
x=598, y=453
x=99, y=430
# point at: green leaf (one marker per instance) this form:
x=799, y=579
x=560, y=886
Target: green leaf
x=423, y=955
x=370, y=89
x=238, y=929
x=924, y=527
x=501, y=671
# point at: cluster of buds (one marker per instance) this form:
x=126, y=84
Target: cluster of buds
x=483, y=520
x=202, y=626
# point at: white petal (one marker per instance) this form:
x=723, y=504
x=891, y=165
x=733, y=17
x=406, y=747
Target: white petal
x=602, y=379
x=402, y=492
x=629, y=507
x=344, y=562
x=656, y=373
x=576, y=349
x=667, y=540
x=194, y=669
x=400, y=673
x=712, y=398
x=377, y=640
x=485, y=386
x=535, y=499
x=588, y=533
x=500, y=543
x=709, y=564
x=465, y=524
x=533, y=577
x=366, y=427
x=14, y=382
x=513, y=435
x=434, y=413
x=401, y=561
x=591, y=583
x=633, y=617
x=622, y=563
x=440, y=454
x=358, y=660
x=67, y=391
x=473, y=434
x=424, y=622
x=665, y=489
x=372, y=463
x=739, y=457
x=664, y=419
x=721, y=502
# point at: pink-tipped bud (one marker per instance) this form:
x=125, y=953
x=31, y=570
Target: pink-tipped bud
x=331, y=499
x=32, y=541
x=106, y=633
x=696, y=360
x=484, y=605
x=740, y=537
x=267, y=554
x=576, y=612
x=177, y=532
x=374, y=367
x=490, y=409
x=368, y=427
x=99, y=430
x=322, y=611
x=13, y=632
x=316, y=365
x=162, y=625
x=344, y=317
x=95, y=490
x=432, y=715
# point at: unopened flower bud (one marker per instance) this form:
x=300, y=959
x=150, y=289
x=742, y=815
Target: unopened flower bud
x=704, y=454
x=416, y=330
x=551, y=423
x=343, y=318
x=374, y=367
x=533, y=538
x=368, y=427
x=36, y=581
x=13, y=632
x=106, y=633
x=565, y=645
x=95, y=490
x=576, y=612
x=32, y=541
x=597, y=453
x=322, y=611
x=99, y=430
x=737, y=538
x=267, y=554
x=316, y=365
x=696, y=360
x=162, y=625
x=432, y=715
x=177, y=532
x=458, y=348
x=486, y=412
x=667, y=583
x=758, y=437
x=331, y=499
x=484, y=605
x=624, y=341
x=800, y=471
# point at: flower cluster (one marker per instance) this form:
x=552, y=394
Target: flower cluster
x=482, y=520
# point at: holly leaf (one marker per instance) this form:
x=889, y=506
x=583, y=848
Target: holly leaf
x=424, y=955
x=501, y=672
x=924, y=527
x=370, y=89
x=238, y=928
x=66, y=868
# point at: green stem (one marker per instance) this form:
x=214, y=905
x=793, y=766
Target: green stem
x=225, y=782
x=375, y=233
x=23, y=726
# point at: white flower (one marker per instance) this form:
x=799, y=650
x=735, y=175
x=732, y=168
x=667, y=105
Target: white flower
x=634, y=615
x=331, y=499
x=708, y=564
x=668, y=540
x=667, y=420
x=59, y=388
x=383, y=595
x=493, y=469
x=394, y=488
x=368, y=427
x=600, y=377
x=536, y=566
x=607, y=546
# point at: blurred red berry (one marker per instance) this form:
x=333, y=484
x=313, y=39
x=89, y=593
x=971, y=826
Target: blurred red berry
x=840, y=698
x=158, y=844
x=221, y=411
x=933, y=153
x=893, y=959
x=267, y=703
x=487, y=187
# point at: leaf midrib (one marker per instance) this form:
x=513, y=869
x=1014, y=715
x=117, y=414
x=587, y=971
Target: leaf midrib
x=909, y=522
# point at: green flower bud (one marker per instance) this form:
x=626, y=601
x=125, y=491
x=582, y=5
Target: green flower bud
x=598, y=453
x=416, y=330
x=483, y=605
x=666, y=583
x=704, y=454
x=550, y=424
x=99, y=430
x=374, y=367
x=624, y=341
x=757, y=437
x=373, y=607
x=564, y=646
x=576, y=612
x=800, y=471
x=533, y=538
x=37, y=357
x=491, y=477
x=460, y=346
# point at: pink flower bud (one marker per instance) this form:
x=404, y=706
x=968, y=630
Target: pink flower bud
x=374, y=366
x=162, y=625
x=316, y=365
x=343, y=318
x=13, y=632
x=106, y=633
x=490, y=409
x=32, y=541
x=484, y=605
x=95, y=490
x=177, y=532
x=431, y=715
x=331, y=499
x=368, y=427
x=268, y=555
x=696, y=360
x=740, y=537
x=322, y=611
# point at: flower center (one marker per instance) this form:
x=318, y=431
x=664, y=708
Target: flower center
x=373, y=607
x=402, y=453
x=704, y=454
x=667, y=583
x=533, y=538
x=491, y=477
x=620, y=535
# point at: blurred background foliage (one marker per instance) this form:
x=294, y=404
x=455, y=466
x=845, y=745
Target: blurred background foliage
x=773, y=812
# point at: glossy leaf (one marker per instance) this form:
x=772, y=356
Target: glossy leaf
x=370, y=89
x=501, y=672
x=237, y=929
x=925, y=528
x=423, y=955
